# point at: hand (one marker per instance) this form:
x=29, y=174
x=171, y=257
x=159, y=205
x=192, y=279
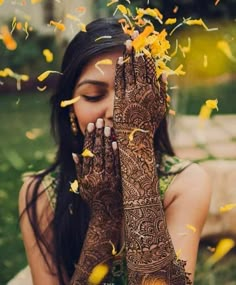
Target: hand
x=140, y=99
x=98, y=172
x=99, y=181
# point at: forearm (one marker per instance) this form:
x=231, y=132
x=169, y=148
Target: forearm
x=99, y=236
x=149, y=250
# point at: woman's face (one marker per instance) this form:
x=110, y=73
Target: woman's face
x=96, y=91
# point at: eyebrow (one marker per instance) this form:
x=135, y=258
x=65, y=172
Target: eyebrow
x=94, y=82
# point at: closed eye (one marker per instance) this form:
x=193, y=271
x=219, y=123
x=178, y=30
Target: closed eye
x=91, y=98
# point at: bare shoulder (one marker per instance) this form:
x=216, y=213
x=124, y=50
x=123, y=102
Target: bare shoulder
x=192, y=183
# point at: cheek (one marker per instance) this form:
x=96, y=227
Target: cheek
x=87, y=114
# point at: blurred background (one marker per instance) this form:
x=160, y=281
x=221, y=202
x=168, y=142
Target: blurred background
x=33, y=37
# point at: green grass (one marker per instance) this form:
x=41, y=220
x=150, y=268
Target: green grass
x=18, y=154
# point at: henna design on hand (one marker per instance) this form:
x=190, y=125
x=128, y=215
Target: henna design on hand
x=99, y=178
x=140, y=104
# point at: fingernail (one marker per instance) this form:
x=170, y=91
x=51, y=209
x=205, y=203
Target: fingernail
x=75, y=157
x=128, y=44
x=107, y=131
x=99, y=123
x=90, y=127
x=120, y=60
x=114, y=145
x=135, y=34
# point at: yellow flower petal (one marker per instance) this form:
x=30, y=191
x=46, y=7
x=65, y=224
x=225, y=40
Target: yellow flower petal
x=35, y=1
x=87, y=153
x=191, y=227
x=48, y=55
x=66, y=103
x=45, y=74
x=114, y=252
x=58, y=25
x=101, y=62
x=122, y=9
x=225, y=48
x=131, y=135
x=212, y=104
x=227, y=207
x=1, y=2
x=41, y=89
x=103, y=37
x=223, y=247
x=170, y=21
x=98, y=273
x=7, y=39
x=74, y=186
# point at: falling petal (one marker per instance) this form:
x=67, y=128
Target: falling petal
x=191, y=227
x=58, y=25
x=87, y=153
x=1, y=2
x=131, y=135
x=212, y=104
x=66, y=103
x=41, y=89
x=45, y=74
x=222, y=248
x=98, y=273
x=114, y=252
x=103, y=37
x=7, y=39
x=48, y=55
x=170, y=21
x=205, y=61
x=101, y=62
x=172, y=112
x=217, y=2
x=25, y=29
x=225, y=48
x=35, y=1
x=74, y=186
x=112, y=2
x=227, y=207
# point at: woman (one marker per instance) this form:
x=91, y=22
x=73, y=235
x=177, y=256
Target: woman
x=119, y=125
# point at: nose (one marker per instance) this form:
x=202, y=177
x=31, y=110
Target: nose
x=108, y=118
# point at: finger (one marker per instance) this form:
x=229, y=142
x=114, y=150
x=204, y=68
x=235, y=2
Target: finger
x=116, y=160
x=150, y=69
x=98, y=149
x=129, y=70
x=88, y=145
x=140, y=69
x=109, y=156
x=119, y=79
x=78, y=164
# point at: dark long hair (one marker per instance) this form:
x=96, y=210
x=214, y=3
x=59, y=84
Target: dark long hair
x=71, y=217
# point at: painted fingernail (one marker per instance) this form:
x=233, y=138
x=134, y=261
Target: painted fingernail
x=135, y=34
x=75, y=157
x=128, y=44
x=107, y=131
x=99, y=123
x=114, y=145
x=120, y=60
x=90, y=127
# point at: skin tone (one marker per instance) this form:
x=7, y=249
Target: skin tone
x=186, y=201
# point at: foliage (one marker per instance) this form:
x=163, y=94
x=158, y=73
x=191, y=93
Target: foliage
x=28, y=53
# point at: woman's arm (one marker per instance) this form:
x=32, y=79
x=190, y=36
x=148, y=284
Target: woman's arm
x=186, y=203
x=39, y=270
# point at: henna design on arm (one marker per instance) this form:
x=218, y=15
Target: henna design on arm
x=139, y=107
x=100, y=188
